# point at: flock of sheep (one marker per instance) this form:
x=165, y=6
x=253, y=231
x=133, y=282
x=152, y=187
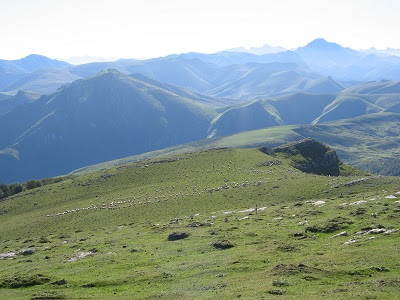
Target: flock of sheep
x=152, y=197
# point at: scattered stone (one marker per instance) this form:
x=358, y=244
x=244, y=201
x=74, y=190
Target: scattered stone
x=390, y=231
x=359, y=211
x=287, y=248
x=343, y=233
x=380, y=269
x=292, y=269
x=43, y=240
x=300, y=235
x=377, y=231
x=330, y=225
x=358, y=202
x=310, y=278
x=370, y=230
x=223, y=244
x=81, y=255
x=391, y=197
x=198, y=224
x=59, y=282
x=7, y=255
x=27, y=252
x=276, y=292
x=303, y=223
x=177, y=236
x=351, y=241
x=269, y=163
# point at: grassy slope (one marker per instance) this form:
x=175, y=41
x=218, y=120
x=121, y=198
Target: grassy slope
x=134, y=259
x=369, y=142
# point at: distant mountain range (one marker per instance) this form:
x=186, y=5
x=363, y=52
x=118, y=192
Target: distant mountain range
x=205, y=72
x=265, y=49
x=13, y=70
x=303, y=108
x=56, y=117
x=107, y=116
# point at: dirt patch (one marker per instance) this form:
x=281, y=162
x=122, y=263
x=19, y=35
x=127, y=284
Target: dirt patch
x=330, y=225
x=292, y=269
x=223, y=245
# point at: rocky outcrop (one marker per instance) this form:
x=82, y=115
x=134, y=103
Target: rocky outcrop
x=311, y=156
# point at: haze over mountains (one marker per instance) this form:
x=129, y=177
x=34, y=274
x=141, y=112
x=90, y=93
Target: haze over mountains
x=56, y=117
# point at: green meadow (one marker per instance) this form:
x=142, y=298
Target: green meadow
x=255, y=228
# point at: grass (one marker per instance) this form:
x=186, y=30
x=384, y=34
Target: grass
x=123, y=251
x=369, y=143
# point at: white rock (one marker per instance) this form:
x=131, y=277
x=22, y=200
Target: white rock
x=81, y=255
x=7, y=255
x=390, y=231
x=358, y=202
x=343, y=233
x=351, y=241
x=247, y=210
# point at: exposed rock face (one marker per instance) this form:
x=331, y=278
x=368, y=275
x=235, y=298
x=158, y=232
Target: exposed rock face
x=312, y=157
x=268, y=151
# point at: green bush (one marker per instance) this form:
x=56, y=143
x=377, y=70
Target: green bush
x=15, y=188
x=32, y=184
x=6, y=190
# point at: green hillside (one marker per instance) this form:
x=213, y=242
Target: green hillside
x=370, y=143
x=245, y=117
x=106, y=116
x=104, y=235
x=264, y=80
x=345, y=107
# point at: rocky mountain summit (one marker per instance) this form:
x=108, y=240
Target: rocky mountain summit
x=309, y=156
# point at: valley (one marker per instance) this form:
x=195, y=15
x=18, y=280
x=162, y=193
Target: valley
x=254, y=172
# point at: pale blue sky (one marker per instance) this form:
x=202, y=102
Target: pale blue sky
x=150, y=28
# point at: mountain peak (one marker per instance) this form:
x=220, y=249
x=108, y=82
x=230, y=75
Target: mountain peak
x=34, y=62
x=33, y=55
x=37, y=58
x=321, y=43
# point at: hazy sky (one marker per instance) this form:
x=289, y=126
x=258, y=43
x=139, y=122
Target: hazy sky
x=150, y=28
